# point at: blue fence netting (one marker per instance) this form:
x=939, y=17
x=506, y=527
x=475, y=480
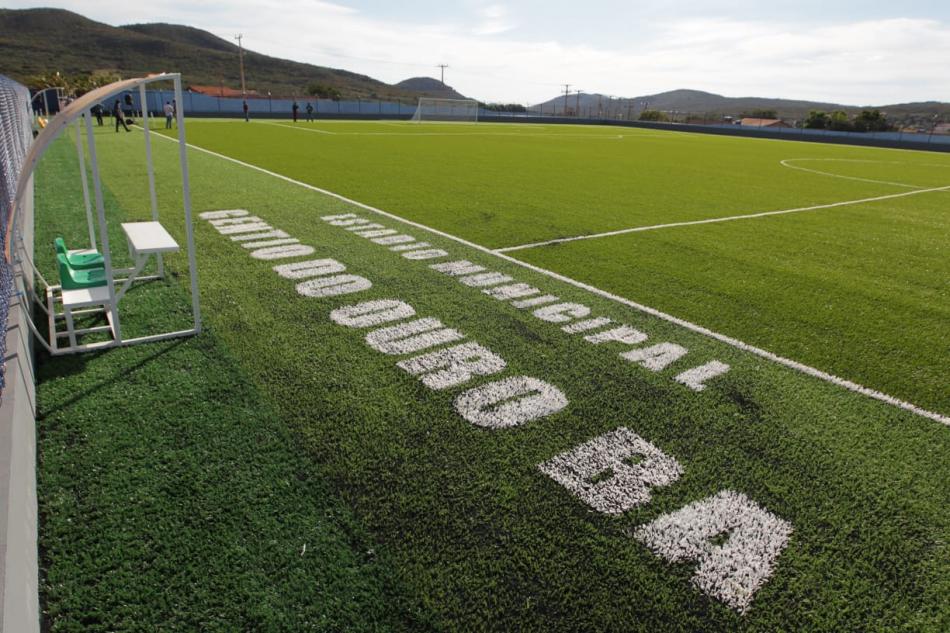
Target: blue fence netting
x=16, y=134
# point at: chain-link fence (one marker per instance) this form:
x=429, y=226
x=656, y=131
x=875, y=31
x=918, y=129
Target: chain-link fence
x=16, y=133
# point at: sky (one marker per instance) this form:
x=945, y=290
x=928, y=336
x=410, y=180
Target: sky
x=867, y=53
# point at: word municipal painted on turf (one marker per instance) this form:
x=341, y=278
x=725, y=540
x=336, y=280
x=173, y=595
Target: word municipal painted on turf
x=612, y=473
x=573, y=318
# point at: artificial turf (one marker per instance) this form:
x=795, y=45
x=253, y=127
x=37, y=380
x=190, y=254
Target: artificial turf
x=465, y=528
x=858, y=291
x=172, y=497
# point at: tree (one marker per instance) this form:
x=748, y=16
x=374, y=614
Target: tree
x=75, y=85
x=871, y=121
x=838, y=121
x=816, y=120
x=653, y=115
x=759, y=113
x=323, y=92
x=503, y=107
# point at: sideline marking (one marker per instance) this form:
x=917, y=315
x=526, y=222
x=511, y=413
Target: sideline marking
x=730, y=218
x=722, y=338
x=611, y=137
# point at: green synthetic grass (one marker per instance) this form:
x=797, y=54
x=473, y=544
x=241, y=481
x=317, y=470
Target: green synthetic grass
x=859, y=291
x=462, y=522
x=171, y=495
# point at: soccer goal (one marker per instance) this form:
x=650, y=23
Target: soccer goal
x=429, y=109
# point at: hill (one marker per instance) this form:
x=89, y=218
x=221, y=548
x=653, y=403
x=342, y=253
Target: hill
x=429, y=87
x=37, y=41
x=699, y=102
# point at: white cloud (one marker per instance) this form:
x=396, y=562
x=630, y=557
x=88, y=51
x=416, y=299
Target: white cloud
x=860, y=62
x=494, y=20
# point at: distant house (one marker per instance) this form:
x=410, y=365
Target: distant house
x=763, y=123
x=942, y=128
x=218, y=91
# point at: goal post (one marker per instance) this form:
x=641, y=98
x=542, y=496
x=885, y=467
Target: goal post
x=430, y=109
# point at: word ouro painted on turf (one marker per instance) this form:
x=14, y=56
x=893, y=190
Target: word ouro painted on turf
x=612, y=473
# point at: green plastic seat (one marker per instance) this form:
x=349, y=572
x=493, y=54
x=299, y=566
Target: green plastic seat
x=72, y=279
x=78, y=261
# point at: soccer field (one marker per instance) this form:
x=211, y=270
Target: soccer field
x=854, y=280
x=468, y=435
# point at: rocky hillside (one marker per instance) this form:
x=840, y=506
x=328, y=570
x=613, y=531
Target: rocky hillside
x=43, y=41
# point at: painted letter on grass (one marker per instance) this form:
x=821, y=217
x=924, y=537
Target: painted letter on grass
x=734, y=570
x=509, y=402
x=614, y=472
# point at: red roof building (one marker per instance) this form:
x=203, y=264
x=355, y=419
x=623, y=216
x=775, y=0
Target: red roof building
x=219, y=91
x=764, y=123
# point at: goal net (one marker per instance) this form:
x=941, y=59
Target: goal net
x=446, y=110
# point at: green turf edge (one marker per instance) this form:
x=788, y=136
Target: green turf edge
x=173, y=497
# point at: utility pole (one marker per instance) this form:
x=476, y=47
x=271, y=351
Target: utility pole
x=577, y=103
x=443, y=67
x=239, y=37
x=567, y=90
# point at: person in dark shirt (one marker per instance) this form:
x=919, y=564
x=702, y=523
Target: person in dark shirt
x=97, y=111
x=295, y=108
x=310, y=112
x=119, y=116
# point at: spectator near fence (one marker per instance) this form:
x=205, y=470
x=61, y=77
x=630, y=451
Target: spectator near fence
x=309, y=111
x=169, y=113
x=295, y=108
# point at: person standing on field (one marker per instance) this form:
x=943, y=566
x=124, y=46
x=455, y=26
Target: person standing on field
x=119, y=116
x=295, y=108
x=169, y=113
x=247, y=118
x=309, y=112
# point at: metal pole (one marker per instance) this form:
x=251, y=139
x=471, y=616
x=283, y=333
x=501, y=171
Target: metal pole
x=103, y=233
x=85, y=183
x=150, y=169
x=186, y=198
x=239, y=37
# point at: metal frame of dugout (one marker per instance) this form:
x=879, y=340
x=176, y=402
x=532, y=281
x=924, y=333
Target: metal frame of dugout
x=145, y=239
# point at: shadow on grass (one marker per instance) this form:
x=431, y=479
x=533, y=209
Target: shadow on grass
x=54, y=367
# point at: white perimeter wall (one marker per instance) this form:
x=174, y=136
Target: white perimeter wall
x=19, y=565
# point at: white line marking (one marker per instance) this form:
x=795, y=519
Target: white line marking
x=787, y=163
x=612, y=137
x=730, y=218
x=294, y=127
x=722, y=338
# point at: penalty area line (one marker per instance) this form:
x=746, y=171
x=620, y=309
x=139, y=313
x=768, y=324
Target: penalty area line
x=728, y=340
x=294, y=127
x=731, y=218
